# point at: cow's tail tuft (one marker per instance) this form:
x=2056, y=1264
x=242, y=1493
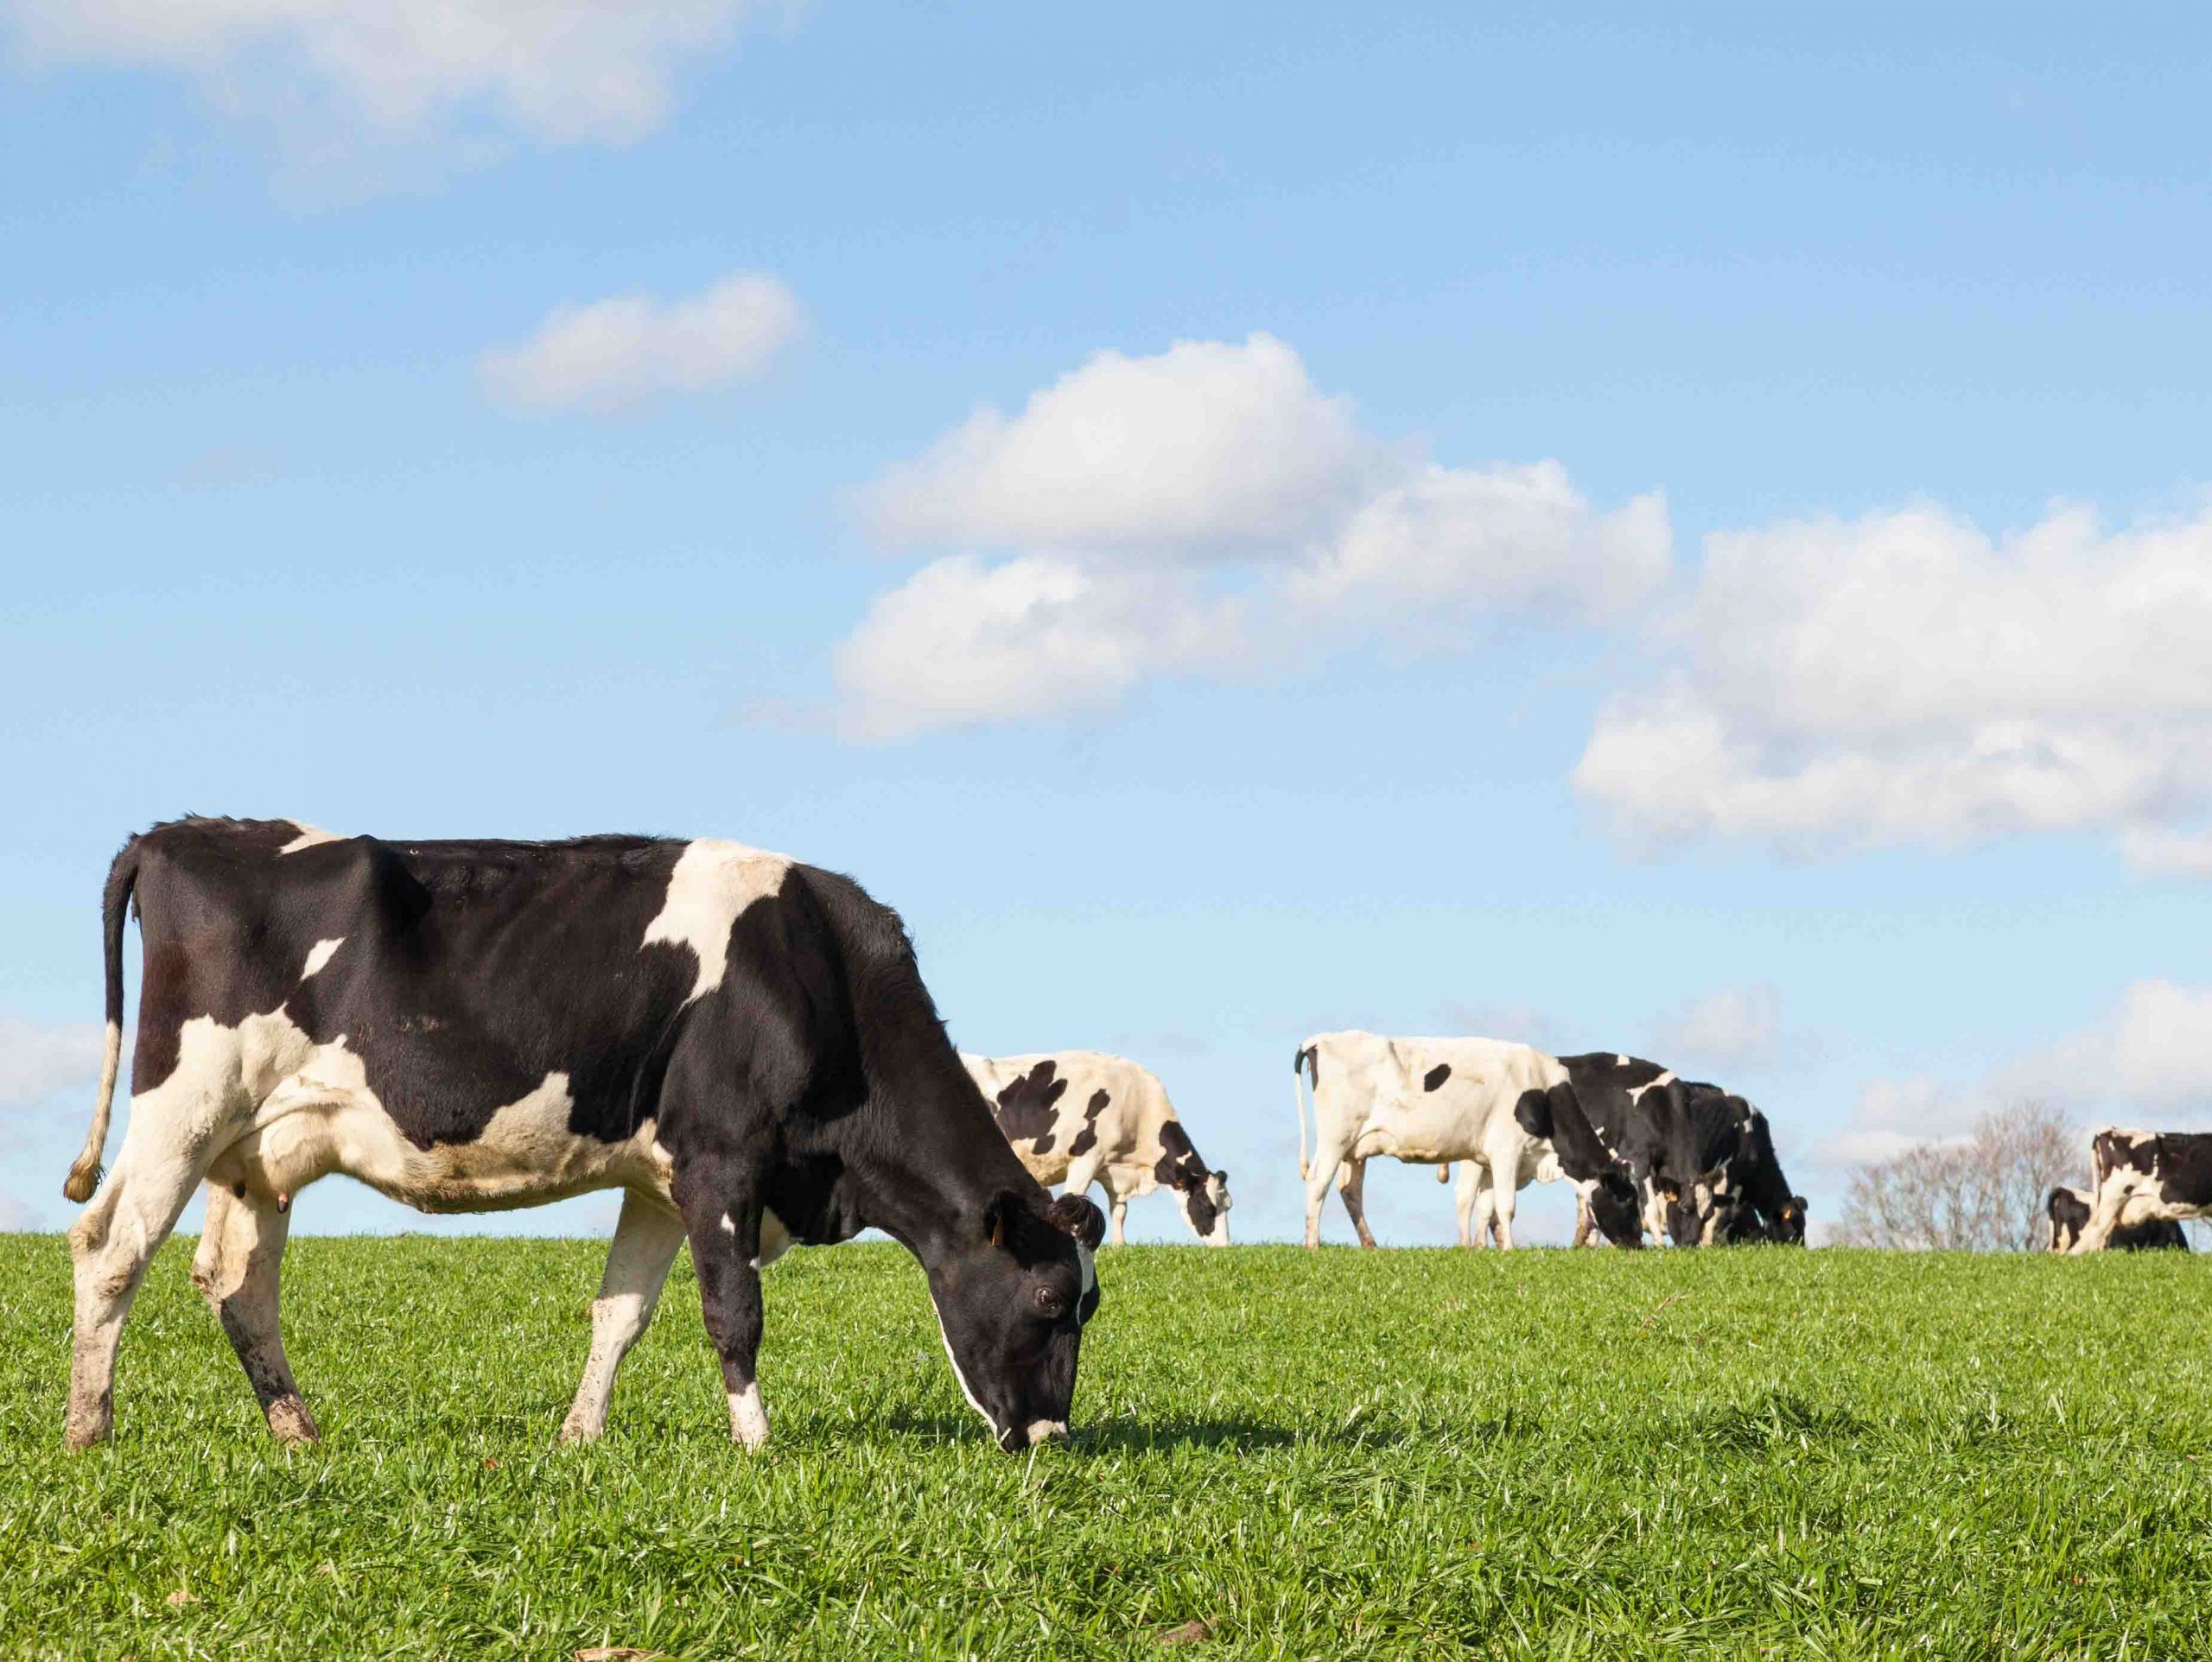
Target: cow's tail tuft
x=1302, y=1063
x=115, y=906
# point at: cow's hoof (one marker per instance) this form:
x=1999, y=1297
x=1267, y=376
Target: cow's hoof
x=81, y=1434
x=290, y=1424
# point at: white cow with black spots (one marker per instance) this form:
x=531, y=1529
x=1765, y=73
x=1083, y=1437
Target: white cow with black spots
x=1506, y=1110
x=1080, y=1117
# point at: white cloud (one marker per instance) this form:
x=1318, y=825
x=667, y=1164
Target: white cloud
x=37, y=1061
x=1904, y=678
x=553, y=69
x=961, y=641
x=1208, y=443
x=1736, y=1026
x=1176, y=513
x=2145, y=1061
x=610, y=354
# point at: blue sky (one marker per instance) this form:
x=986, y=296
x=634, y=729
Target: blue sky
x=1688, y=537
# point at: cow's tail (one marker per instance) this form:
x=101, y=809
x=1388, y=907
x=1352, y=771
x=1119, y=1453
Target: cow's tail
x=115, y=906
x=1301, y=1065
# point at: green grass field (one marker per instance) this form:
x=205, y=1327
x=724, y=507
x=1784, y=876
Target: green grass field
x=1601, y=1454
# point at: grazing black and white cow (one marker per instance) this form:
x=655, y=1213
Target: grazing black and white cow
x=1702, y=1159
x=2069, y=1210
x=1080, y=1117
x=2142, y=1177
x=741, y=1043
x=1506, y=1110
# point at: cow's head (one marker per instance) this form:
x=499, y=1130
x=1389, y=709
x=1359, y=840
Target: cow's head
x=1789, y=1221
x=1012, y=1302
x=1207, y=1202
x=1614, y=1209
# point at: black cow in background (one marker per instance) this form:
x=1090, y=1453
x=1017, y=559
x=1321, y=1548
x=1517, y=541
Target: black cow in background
x=1702, y=1159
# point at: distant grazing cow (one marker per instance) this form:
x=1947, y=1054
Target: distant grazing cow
x=2144, y=1176
x=1080, y=1117
x=1504, y=1109
x=2071, y=1208
x=741, y=1043
x=1702, y=1159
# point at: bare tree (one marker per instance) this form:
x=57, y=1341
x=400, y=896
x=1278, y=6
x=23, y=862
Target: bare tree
x=1984, y=1194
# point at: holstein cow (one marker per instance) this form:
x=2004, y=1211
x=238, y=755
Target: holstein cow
x=741, y=1043
x=2069, y=1210
x=1702, y=1159
x=1503, y=1109
x=1080, y=1117
x=2144, y=1176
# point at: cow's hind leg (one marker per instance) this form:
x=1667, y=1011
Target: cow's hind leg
x=1472, y=1196
x=645, y=1239
x=112, y=1244
x=1351, y=1184
x=236, y=1269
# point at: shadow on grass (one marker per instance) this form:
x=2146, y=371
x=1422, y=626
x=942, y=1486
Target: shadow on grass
x=1125, y=1435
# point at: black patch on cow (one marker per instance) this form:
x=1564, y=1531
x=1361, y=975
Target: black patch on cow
x=1087, y=1139
x=1435, y=1078
x=1024, y=1107
x=1181, y=1169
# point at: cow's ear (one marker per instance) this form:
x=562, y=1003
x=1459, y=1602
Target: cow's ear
x=1076, y=1214
x=998, y=1217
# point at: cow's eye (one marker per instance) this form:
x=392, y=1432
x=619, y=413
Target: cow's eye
x=1050, y=1304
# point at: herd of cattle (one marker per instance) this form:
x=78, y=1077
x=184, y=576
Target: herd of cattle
x=742, y=1044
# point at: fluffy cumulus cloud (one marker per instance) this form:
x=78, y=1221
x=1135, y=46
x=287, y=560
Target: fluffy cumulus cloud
x=2142, y=1061
x=1907, y=678
x=552, y=69
x=610, y=354
x=1162, y=515
x=36, y=1062
x=1739, y=1025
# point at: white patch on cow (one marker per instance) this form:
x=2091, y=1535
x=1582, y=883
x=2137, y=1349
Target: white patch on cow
x=775, y=1240
x=1090, y=1270
x=309, y=836
x=320, y=953
x=1620, y=1062
x=748, y=1420
x=1043, y=1430
x=300, y=1111
x=712, y=885
x=1636, y=1092
x=729, y=1224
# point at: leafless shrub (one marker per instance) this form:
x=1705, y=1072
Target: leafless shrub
x=1985, y=1193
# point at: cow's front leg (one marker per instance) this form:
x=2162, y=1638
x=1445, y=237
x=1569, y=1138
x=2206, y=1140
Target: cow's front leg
x=1351, y=1185
x=236, y=1269
x=645, y=1239
x=1585, y=1224
x=726, y=1251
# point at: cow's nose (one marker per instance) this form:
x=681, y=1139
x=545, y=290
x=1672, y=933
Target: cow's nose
x=1047, y=1431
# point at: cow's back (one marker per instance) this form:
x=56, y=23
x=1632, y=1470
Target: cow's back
x=1421, y=1099
x=461, y=976
x=1055, y=1106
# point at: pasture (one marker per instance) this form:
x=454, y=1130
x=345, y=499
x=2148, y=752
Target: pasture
x=1393, y=1453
